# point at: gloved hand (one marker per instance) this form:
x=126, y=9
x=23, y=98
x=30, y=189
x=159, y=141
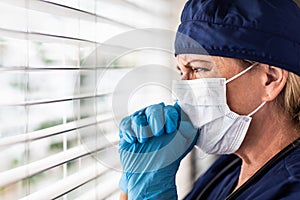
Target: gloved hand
x=153, y=141
x=151, y=121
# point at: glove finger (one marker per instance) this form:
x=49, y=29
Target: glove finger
x=177, y=107
x=139, y=112
x=155, y=118
x=140, y=127
x=171, y=119
x=125, y=131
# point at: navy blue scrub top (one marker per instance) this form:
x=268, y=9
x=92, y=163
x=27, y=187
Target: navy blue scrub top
x=281, y=181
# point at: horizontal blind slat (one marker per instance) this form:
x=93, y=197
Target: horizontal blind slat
x=61, y=187
x=20, y=173
x=100, y=192
x=42, y=37
x=63, y=10
x=54, y=68
x=46, y=101
x=32, y=36
x=55, y=130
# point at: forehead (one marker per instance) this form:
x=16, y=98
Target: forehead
x=188, y=58
x=218, y=61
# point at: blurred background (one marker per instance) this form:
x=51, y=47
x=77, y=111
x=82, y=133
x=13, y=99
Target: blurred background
x=56, y=117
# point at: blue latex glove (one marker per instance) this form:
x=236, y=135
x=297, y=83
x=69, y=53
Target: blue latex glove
x=153, y=141
x=151, y=121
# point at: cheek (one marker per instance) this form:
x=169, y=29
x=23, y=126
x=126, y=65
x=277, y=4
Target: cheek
x=242, y=98
x=235, y=99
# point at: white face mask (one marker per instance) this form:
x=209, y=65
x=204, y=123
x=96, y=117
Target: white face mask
x=222, y=131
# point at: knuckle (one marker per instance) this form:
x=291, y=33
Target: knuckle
x=153, y=109
x=171, y=111
x=139, y=120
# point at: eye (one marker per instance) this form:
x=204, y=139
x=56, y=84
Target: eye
x=200, y=69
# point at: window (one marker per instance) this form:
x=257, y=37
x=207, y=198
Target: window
x=56, y=118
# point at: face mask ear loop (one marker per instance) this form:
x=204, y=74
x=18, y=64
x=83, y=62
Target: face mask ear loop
x=241, y=73
x=257, y=109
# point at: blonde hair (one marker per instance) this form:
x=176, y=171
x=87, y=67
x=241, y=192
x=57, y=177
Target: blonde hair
x=297, y=2
x=289, y=98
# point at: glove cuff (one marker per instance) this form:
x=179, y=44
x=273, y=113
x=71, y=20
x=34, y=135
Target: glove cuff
x=154, y=185
x=123, y=183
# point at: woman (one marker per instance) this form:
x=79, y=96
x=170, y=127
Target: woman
x=242, y=98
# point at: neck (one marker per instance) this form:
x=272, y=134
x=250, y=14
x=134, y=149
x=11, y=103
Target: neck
x=267, y=136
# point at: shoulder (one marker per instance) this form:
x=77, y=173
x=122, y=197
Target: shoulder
x=282, y=181
x=288, y=187
x=292, y=164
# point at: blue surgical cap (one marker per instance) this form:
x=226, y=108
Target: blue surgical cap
x=266, y=31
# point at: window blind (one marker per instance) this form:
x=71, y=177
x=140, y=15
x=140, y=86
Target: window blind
x=52, y=120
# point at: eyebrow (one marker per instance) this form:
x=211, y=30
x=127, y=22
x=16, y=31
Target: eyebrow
x=199, y=60
x=188, y=64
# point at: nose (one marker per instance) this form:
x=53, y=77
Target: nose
x=185, y=76
x=188, y=76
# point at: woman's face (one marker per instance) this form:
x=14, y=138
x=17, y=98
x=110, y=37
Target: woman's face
x=243, y=93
